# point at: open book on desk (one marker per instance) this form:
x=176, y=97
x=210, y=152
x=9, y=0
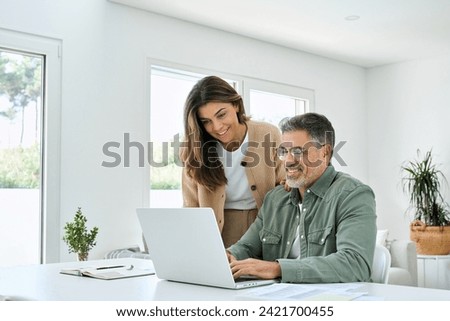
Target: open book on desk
x=111, y=272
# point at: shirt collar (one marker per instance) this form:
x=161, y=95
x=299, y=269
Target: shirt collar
x=319, y=188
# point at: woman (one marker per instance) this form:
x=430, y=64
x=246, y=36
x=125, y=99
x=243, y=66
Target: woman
x=223, y=146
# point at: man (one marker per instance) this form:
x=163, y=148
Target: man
x=324, y=229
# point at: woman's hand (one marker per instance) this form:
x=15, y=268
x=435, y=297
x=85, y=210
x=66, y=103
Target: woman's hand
x=287, y=188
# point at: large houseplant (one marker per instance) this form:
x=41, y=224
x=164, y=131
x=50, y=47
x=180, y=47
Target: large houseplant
x=430, y=228
x=78, y=238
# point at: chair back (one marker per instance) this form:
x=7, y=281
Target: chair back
x=381, y=264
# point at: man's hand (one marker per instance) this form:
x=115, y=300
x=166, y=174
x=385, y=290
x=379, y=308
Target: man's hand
x=230, y=257
x=253, y=267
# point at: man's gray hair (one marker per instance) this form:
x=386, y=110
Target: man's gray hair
x=317, y=126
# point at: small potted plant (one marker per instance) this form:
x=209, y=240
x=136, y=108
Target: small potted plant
x=430, y=228
x=77, y=237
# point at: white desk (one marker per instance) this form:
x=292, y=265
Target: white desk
x=45, y=283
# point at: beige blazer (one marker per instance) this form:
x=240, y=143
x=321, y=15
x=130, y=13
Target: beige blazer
x=263, y=170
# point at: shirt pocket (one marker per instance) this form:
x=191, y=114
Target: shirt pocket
x=318, y=240
x=269, y=237
x=271, y=244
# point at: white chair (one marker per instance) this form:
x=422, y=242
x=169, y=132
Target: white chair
x=381, y=264
x=403, y=269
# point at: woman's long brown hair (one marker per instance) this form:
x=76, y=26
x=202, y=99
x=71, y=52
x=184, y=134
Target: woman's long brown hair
x=199, y=154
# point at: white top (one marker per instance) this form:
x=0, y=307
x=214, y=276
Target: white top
x=294, y=253
x=238, y=193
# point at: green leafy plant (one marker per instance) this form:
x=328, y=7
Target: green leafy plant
x=422, y=182
x=77, y=237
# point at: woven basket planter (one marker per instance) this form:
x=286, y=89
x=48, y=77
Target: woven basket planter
x=430, y=240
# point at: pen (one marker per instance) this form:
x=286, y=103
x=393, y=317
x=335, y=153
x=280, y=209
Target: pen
x=110, y=267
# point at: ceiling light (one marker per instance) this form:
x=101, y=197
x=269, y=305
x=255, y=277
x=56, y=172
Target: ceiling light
x=352, y=18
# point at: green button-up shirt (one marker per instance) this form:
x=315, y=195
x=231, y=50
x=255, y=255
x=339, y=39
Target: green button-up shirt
x=336, y=227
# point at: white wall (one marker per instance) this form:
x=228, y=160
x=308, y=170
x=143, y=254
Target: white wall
x=409, y=109
x=105, y=47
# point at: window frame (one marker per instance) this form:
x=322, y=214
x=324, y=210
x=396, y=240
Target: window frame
x=304, y=94
x=50, y=49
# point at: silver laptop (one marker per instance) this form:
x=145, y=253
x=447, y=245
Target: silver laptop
x=185, y=246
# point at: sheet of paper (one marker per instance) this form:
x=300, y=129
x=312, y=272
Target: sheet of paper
x=306, y=292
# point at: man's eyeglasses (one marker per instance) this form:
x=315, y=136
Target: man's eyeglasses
x=296, y=152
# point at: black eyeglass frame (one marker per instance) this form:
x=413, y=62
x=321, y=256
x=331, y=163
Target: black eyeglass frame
x=296, y=152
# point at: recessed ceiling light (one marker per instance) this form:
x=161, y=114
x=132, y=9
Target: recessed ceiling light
x=352, y=18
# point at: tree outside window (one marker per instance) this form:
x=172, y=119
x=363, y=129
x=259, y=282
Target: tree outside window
x=20, y=96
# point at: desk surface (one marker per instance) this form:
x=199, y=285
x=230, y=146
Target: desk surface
x=45, y=283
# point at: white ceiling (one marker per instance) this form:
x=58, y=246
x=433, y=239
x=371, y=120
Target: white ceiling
x=388, y=31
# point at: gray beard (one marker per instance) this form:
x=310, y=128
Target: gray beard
x=295, y=183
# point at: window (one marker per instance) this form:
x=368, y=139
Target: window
x=29, y=149
x=169, y=87
x=271, y=102
x=20, y=162
x=168, y=91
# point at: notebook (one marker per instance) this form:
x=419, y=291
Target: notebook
x=108, y=272
x=185, y=245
